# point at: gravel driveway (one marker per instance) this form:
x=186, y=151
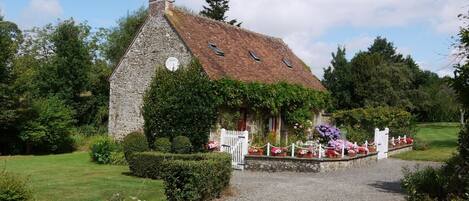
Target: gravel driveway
x=377, y=182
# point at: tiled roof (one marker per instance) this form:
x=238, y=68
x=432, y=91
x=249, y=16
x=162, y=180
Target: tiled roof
x=198, y=32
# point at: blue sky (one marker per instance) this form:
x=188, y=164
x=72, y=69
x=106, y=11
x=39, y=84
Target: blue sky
x=312, y=28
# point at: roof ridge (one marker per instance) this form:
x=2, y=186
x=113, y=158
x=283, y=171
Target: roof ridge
x=229, y=25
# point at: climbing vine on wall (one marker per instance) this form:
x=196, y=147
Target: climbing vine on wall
x=187, y=102
x=294, y=102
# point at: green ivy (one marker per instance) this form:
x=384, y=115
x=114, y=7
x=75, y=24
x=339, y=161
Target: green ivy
x=293, y=101
x=187, y=102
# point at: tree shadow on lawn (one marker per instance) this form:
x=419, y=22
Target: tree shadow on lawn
x=444, y=143
x=389, y=187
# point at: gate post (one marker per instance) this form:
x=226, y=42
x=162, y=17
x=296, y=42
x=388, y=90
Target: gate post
x=245, y=143
x=222, y=139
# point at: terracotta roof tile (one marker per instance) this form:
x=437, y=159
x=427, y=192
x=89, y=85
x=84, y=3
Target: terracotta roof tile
x=197, y=32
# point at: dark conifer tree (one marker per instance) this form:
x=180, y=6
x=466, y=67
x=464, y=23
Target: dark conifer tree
x=217, y=10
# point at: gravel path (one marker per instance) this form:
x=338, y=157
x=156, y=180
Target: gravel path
x=378, y=182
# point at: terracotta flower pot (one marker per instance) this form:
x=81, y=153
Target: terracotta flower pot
x=307, y=155
x=352, y=154
x=258, y=152
x=330, y=153
x=372, y=149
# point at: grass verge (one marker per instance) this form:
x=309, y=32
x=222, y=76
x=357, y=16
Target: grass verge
x=74, y=177
x=441, y=139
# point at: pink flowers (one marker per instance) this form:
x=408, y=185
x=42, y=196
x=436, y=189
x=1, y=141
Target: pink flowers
x=276, y=150
x=212, y=145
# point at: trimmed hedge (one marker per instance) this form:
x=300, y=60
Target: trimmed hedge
x=150, y=164
x=181, y=145
x=134, y=142
x=163, y=145
x=399, y=121
x=200, y=176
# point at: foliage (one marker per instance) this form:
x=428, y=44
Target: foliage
x=10, y=39
x=66, y=74
x=294, y=101
x=420, y=145
x=101, y=150
x=357, y=135
x=14, y=188
x=180, y=103
x=49, y=128
x=119, y=38
x=187, y=176
x=197, y=180
x=381, y=76
x=217, y=10
x=425, y=184
x=181, y=145
x=134, y=142
x=397, y=120
x=163, y=145
x=118, y=158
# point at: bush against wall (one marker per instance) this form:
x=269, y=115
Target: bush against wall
x=180, y=103
x=49, y=128
x=399, y=122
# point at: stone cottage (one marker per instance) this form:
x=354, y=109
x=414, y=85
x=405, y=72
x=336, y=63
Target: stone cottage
x=222, y=49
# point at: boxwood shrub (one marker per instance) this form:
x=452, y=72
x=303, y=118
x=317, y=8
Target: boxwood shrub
x=163, y=145
x=134, y=142
x=200, y=176
x=181, y=145
x=150, y=164
x=196, y=180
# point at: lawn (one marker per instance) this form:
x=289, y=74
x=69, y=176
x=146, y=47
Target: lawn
x=74, y=177
x=442, y=142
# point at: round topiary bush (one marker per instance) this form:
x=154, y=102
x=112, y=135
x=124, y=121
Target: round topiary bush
x=163, y=145
x=13, y=187
x=101, y=150
x=181, y=145
x=134, y=142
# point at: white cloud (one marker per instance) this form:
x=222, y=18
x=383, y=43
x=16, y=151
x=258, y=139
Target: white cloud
x=301, y=23
x=2, y=10
x=39, y=12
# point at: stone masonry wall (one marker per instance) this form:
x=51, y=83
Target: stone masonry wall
x=154, y=44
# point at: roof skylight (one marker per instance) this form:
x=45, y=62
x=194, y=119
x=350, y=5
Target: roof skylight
x=217, y=50
x=287, y=62
x=254, y=56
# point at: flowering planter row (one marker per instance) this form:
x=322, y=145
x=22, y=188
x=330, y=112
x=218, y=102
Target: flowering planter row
x=330, y=153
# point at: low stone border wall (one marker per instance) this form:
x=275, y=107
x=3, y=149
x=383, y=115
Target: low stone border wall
x=291, y=164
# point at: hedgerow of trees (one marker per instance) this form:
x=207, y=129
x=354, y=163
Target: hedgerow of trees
x=54, y=82
x=380, y=76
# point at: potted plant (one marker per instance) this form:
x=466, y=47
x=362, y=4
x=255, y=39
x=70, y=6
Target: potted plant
x=304, y=153
x=213, y=146
x=351, y=153
x=332, y=153
x=372, y=148
x=278, y=151
x=256, y=151
x=363, y=150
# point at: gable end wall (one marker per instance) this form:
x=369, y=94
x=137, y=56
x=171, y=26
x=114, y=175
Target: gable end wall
x=153, y=45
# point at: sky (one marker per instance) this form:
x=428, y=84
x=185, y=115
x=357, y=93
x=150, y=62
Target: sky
x=312, y=28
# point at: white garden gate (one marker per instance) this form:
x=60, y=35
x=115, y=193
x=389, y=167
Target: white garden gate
x=382, y=142
x=235, y=143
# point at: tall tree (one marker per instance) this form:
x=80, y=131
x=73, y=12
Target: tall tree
x=65, y=75
x=337, y=79
x=10, y=38
x=120, y=37
x=217, y=10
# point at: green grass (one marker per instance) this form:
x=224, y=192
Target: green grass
x=441, y=139
x=74, y=177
